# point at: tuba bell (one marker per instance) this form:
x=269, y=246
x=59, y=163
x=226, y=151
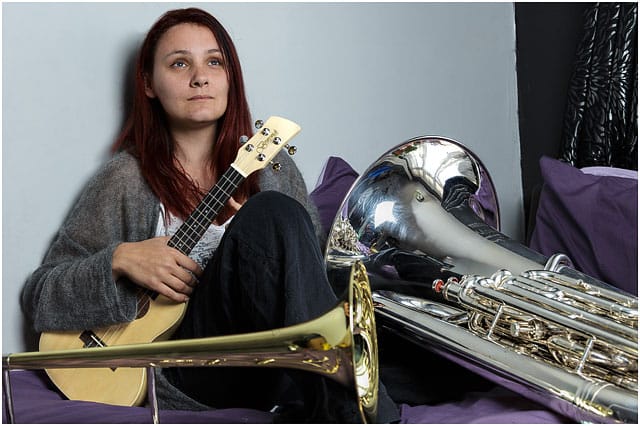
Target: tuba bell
x=340, y=345
x=424, y=220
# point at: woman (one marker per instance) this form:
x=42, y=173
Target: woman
x=258, y=266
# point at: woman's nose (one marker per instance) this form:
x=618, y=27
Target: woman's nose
x=199, y=79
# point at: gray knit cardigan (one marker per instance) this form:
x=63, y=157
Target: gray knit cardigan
x=74, y=289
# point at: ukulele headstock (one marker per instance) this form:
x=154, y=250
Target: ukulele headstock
x=261, y=148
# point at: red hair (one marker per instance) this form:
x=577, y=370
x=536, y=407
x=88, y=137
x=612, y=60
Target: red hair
x=146, y=133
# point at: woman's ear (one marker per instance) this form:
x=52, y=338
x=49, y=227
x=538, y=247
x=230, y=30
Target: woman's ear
x=148, y=90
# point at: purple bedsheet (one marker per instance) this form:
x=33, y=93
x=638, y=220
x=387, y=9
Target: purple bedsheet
x=36, y=401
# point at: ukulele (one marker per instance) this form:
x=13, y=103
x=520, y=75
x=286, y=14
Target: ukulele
x=158, y=316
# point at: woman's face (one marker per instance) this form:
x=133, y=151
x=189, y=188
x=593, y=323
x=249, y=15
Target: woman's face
x=189, y=78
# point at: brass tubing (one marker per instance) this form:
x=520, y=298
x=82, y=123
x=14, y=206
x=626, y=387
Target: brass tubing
x=341, y=345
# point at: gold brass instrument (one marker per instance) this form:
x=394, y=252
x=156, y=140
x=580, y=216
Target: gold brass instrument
x=341, y=345
x=423, y=218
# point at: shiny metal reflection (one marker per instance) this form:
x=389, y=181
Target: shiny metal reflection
x=424, y=220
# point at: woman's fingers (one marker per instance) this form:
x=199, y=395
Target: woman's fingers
x=234, y=204
x=173, y=288
x=188, y=264
x=154, y=265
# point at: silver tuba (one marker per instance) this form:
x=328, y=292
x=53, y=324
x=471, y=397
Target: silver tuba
x=424, y=219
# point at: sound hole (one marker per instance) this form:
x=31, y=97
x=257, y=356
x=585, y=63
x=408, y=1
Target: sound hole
x=91, y=340
x=144, y=302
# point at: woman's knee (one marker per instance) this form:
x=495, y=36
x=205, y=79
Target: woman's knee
x=273, y=200
x=270, y=210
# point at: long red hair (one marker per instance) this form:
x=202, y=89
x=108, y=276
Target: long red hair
x=146, y=133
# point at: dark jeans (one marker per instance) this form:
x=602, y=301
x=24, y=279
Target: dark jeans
x=267, y=273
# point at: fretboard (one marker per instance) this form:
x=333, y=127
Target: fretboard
x=190, y=232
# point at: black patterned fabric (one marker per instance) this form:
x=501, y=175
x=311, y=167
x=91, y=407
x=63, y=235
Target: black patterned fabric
x=601, y=123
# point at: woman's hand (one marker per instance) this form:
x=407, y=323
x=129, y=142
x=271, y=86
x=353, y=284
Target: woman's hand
x=234, y=204
x=154, y=265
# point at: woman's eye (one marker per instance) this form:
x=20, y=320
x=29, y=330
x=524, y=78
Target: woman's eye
x=215, y=62
x=179, y=64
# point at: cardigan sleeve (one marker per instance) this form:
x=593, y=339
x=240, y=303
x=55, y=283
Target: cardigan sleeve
x=74, y=287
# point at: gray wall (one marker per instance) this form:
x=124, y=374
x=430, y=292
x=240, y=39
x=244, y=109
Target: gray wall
x=358, y=78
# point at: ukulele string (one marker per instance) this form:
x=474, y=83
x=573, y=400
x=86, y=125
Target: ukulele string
x=185, y=235
x=199, y=221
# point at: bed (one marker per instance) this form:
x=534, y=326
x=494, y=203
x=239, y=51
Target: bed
x=560, y=216
x=37, y=401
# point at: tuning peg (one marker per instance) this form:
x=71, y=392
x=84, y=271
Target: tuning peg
x=243, y=139
x=259, y=124
x=276, y=166
x=291, y=149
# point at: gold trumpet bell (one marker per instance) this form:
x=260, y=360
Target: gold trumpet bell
x=341, y=345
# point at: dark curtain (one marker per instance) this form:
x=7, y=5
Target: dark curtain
x=601, y=122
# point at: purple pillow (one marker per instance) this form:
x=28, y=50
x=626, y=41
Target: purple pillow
x=610, y=171
x=592, y=219
x=335, y=181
